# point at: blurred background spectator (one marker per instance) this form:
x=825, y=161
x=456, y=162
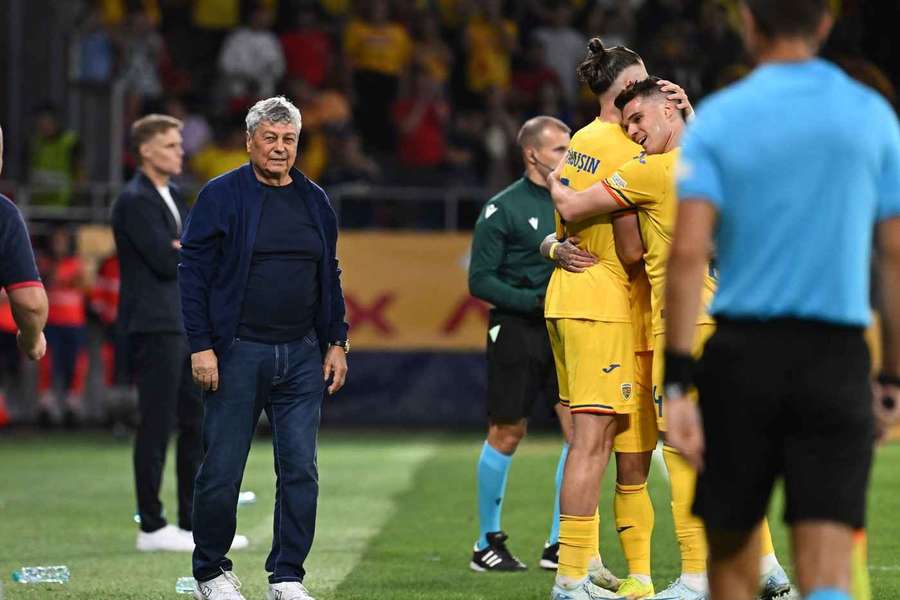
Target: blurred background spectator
x=64, y=275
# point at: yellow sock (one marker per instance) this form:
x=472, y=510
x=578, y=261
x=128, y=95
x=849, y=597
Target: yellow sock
x=634, y=522
x=576, y=545
x=595, y=541
x=688, y=528
x=860, y=587
x=765, y=539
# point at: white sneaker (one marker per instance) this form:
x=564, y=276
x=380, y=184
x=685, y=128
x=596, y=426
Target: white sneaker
x=239, y=543
x=224, y=587
x=288, y=590
x=166, y=539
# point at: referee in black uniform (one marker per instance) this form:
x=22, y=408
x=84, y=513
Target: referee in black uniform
x=508, y=271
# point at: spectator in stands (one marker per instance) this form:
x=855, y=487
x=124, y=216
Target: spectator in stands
x=104, y=304
x=196, y=132
x=252, y=61
x=430, y=51
x=227, y=151
x=348, y=163
x=466, y=163
x=212, y=20
x=720, y=44
x=499, y=140
x=530, y=78
x=141, y=48
x=308, y=49
x=323, y=111
x=420, y=119
x=563, y=47
x=64, y=275
x=54, y=164
x=491, y=40
x=612, y=24
x=377, y=51
x=96, y=58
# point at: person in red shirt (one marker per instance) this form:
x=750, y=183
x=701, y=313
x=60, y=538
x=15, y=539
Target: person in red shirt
x=308, y=49
x=421, y=119
x=64, y=279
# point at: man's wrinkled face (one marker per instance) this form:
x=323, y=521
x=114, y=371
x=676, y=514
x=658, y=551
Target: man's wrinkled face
x=647, y=121
x=273, y=148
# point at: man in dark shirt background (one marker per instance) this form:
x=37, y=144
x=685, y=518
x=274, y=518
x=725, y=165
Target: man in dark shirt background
x=264, y=313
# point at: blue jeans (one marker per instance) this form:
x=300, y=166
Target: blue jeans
x=285, y=380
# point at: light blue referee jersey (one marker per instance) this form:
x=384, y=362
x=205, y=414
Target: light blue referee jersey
x=800, y=162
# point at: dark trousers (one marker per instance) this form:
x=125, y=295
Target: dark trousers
x=168, y=400
x=65, y=342
x=285, y=380
x=372, y=113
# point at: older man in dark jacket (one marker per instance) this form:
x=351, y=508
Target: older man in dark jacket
x=264, y=312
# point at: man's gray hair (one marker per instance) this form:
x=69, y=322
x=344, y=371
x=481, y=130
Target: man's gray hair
x=277, y=109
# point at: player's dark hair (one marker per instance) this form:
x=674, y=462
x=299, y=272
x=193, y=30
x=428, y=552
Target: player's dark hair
x=778, y=18
x=639, y=89
x=602, y=65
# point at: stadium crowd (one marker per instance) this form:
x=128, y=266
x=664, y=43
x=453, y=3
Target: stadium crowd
x=424, y=92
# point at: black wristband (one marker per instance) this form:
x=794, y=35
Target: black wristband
x=679, y=369
x=887, y=379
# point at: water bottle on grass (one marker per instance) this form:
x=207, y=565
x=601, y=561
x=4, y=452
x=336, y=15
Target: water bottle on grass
x=54, y=574
x=184, y=585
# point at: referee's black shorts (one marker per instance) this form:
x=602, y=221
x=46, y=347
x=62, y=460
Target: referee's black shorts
x=520, y=367
x=787, y=398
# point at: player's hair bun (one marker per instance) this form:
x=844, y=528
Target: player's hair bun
x=602, y=65
x=595, y=46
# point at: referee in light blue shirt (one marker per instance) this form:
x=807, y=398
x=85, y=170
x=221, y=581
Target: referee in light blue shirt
x=788, y=172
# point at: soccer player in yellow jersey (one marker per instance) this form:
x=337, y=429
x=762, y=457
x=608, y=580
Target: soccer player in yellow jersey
x=647, y=184
x=589, y=317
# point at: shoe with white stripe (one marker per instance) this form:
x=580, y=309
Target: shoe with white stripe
x=550, y=556
x=496, y=557
x=288, y=590
x=224, y=587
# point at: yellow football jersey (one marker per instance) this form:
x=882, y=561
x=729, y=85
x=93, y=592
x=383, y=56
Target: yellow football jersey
x=601, y=293
x=648, y=184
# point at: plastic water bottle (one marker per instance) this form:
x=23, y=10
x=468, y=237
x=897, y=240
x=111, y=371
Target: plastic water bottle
x=245, y=498
x=55, y=574
x=184, y=585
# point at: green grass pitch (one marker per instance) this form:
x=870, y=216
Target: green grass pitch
x=396, y=520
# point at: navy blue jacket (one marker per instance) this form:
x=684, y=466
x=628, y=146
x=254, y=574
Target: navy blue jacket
x=217, y=245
